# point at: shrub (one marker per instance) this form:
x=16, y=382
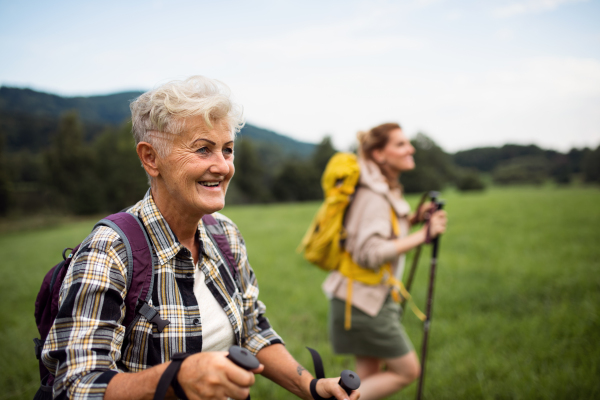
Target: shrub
x=470, y=181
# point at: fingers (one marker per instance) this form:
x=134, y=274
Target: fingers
x=424, y=212
x=211, y=375
x=258, y=370
x=438, y=222
x=240, y=376
x=330, y=387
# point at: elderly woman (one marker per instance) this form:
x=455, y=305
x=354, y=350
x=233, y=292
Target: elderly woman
x=184, y=132
x=385, y=359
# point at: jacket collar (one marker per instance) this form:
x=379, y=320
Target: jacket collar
x=372, y=178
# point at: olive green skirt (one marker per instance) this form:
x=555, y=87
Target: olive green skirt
x=381, y=336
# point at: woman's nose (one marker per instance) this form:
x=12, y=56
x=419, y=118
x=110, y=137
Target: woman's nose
x=220, y=165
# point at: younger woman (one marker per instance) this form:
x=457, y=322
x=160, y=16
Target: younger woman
x=385, y=359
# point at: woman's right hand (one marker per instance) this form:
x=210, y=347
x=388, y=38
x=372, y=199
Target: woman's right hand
x=437, y=223
x=210, y=375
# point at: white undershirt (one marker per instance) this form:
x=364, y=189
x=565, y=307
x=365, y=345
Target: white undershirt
x=217, y=332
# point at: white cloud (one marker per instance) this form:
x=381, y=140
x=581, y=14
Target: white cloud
x=529, y=7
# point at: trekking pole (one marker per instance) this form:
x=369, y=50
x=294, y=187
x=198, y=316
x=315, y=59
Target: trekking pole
x=436, y=241
x=433, y=195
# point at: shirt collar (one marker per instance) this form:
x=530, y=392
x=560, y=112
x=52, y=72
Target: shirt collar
x=208, y=247
x=164, y=240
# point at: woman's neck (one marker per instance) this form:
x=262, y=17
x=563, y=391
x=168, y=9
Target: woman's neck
x=392, y=176
x=183, y=226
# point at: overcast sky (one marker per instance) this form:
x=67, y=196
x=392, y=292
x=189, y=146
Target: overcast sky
x=466, y=73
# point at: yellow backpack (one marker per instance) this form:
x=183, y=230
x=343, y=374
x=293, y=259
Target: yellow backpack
x=323, y=242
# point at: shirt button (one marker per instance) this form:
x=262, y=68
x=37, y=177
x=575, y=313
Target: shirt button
x=196, y=321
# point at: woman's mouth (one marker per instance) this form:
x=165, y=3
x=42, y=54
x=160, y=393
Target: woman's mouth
x=210, y=184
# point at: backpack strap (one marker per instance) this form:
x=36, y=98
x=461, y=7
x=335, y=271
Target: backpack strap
x=217, y=235
x=140, y=274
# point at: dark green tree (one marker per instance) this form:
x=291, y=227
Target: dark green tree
x=25, y=167
x=522, y=170
x=576, y=157
x=469, y=180
x=591, y=166
x=434, y=168
x=483, y=159
x=250, y=175
x=322, y=153
x=297, y=181
x=560, y=169
x=121, y=179
x=5, y=182
x=70, y=172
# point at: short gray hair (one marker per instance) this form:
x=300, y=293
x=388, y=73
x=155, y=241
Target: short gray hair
x=162, y=111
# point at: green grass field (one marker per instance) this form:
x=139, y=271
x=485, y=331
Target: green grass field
x=516, y=312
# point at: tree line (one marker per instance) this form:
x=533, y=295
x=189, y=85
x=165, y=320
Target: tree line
x=103, y=175
x=76, y=174
x=515, y=164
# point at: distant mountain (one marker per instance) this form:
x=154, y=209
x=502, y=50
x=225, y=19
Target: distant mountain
x=108, y=109
x=28, y=118
x=263, y=137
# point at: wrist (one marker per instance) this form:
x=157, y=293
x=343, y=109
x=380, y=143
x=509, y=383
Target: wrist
x=313, y=391
x=305, y=385
x=423, y=234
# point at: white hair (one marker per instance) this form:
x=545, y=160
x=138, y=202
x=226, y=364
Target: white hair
x=160, y=113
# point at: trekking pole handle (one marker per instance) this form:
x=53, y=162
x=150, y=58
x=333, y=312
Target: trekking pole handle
x=349, y=381
x=433, y=195
x=243, y=358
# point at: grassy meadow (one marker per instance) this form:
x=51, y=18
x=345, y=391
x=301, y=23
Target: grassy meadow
x=517, y=297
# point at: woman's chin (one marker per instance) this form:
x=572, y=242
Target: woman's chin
x=213, y=207
x=212, y=204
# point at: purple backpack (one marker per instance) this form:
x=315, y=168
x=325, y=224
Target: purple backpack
x=140, y=281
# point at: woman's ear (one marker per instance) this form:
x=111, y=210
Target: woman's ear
x=148, y=157
x=378, y=156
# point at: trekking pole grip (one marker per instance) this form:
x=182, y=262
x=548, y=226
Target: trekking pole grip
x=349, y=380
x=243, y=359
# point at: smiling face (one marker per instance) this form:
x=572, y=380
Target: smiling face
x=192, y=179
x=397, y=155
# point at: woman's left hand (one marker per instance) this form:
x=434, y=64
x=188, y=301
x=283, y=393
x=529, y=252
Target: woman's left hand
x=437, y=223
x=330, y=387
x=423, y=213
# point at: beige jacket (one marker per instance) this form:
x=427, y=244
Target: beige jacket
x=370, y=238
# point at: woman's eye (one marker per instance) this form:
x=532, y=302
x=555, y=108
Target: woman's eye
x=202, y=150
x=227, y=151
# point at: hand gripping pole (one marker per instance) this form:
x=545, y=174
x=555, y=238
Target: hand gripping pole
x=349, y=380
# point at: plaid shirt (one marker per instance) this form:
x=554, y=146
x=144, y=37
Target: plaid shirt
x=88, y=344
